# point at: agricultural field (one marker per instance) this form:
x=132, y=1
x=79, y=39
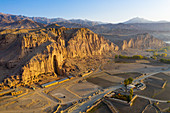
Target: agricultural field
x=100, y=108
x=84, y=88
x=137, y=107
x=154, y=87
x=114, y=68
x=105, y=80
x=128, y=75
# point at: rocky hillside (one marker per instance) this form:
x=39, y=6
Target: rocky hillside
x=140, y=41
x=22, y=24
x=9, y=18
x=28, y=54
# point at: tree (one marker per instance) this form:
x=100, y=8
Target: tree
x=137, y=57
x=154, y=57
x=165, y=60
x=130, y=80
x=165, y=50
x=155, y=53
x=116, y=56
x=129, y=98
x=164, y=55
x=126, y=82
x=131, y=91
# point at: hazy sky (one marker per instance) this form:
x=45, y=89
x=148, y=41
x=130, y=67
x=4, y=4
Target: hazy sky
x=99, y=10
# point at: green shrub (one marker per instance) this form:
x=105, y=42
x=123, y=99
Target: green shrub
x=150, y=50
x=164, y=49
x=126, y=82
x=164, y=54
x=120, y=96
x=154, y=57
x=123, y=57
x=129, y=98
x=133, y=57
x=116, y=56
x=137, y=57
x=165, y=60
x=131, y=91
x=130, y=80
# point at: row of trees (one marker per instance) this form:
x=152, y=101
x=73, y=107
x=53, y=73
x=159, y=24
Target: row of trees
x=127, y=82
x=124, y=97
x=165, y=60
x=130, y=95
x=156, y=50
x=130, y=57
x=155, y=56
x=164, y=49
x=160, y=55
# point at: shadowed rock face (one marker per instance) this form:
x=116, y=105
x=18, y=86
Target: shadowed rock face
x=36, y=52
x=142, y=41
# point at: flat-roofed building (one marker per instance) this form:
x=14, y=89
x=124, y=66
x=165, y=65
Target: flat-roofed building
x=49, y=84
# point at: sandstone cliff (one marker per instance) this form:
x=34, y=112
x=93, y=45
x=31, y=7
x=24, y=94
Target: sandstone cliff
x=43, y=51
x=141, y=41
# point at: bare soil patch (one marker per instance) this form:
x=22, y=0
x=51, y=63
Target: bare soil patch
x=127, y=75
x=114, y=68
x=163, y=76
x=154, y=87
x=163, y=106
x=137, y=107
x=84, y=88
x=33, y=101
x=105, y=80
x=60, y=92
x=150, y=109
x=101, y=108
x=101, y=82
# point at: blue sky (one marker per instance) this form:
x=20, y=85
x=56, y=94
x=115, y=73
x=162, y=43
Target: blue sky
x=99, y=10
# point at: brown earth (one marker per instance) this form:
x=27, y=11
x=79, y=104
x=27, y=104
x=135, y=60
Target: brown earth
x=101, y=108
x=154, y=87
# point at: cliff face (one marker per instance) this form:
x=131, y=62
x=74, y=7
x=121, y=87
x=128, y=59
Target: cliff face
x=68, y=44
x=86, y=43
x=142, y=41
x=46, y=51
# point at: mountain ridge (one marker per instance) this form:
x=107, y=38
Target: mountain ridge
x=11, y=18
x=22, y=24
x=45, y=20
x=142, y=20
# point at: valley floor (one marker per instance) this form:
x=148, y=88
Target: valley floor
x=80, y=93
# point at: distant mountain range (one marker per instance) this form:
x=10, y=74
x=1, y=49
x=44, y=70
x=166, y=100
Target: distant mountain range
x=8, y=18
x=22, y=24
x=131, y=27
x=142, y=20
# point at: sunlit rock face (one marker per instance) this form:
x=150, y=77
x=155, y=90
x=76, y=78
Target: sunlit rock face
x=142, y=41
x=30, y=53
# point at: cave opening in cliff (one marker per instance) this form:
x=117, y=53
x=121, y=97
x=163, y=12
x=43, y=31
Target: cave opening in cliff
x=55, y=64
